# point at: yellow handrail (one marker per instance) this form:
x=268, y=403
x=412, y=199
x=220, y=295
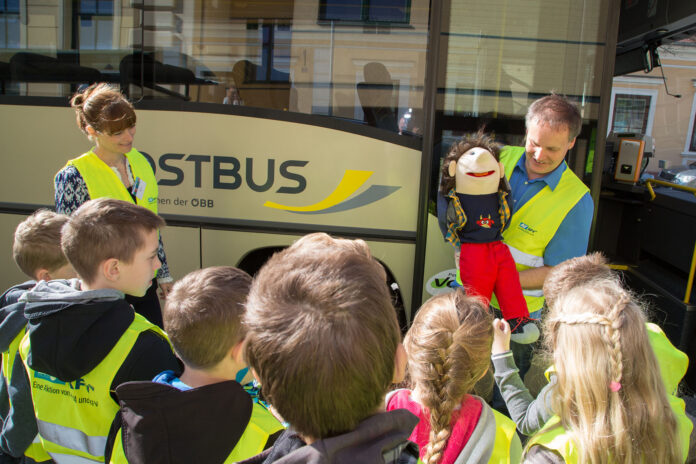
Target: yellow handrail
x=692, y=270
x=649, y=182
x=690, y=281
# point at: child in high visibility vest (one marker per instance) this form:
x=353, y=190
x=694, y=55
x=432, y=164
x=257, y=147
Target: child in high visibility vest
x=202, y=317
x=607, y=400
x=324, y=341
x=448, y=349
x=36, y=250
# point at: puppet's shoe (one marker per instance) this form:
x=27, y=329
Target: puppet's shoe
x=523, y=330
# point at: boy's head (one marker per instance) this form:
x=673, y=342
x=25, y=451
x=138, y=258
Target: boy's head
x=203, y=314
x=322, y=334
x=574, y=273
x=36, y=248
x=113, y=244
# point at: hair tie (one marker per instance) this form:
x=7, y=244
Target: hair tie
x=614, y=386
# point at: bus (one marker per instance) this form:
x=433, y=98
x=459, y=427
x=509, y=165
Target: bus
x=267, y=120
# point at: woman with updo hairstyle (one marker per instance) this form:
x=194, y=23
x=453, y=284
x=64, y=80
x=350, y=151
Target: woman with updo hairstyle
x=112, y=168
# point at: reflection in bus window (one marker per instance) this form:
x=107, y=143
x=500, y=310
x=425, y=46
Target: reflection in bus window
x=303, y=57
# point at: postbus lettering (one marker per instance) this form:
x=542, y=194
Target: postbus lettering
x=227, y=175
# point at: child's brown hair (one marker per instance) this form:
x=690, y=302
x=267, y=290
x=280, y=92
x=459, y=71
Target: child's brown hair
x=106, y=228
x=37, y=242
x=449, y=349
x=203, y=313
x=322, y=334
x=575, y=272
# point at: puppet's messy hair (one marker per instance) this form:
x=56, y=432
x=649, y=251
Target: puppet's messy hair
x=466, y=143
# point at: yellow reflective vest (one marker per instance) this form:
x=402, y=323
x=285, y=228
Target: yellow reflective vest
x=35, y=450
x=74, y=418
x=533, y=225
x=507, y=448
x=261, y=426
x=102, y=181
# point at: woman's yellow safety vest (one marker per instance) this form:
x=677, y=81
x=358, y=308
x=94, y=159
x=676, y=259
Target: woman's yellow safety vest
x=262, y=424
x=102, y=181
x=74, y=418
x=533, y=225
x=506, y=447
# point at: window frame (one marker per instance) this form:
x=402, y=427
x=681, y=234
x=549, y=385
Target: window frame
x=688, y=153
x=632, y=91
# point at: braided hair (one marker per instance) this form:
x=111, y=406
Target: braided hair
x=448, y=347
x=609, y=396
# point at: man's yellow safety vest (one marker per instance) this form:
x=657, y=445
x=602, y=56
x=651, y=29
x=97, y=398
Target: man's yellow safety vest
x=74, y=418
x=262, y=424
x=102, y=181
x=533, y=225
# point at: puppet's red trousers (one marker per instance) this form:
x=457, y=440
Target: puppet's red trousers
x=488, y=267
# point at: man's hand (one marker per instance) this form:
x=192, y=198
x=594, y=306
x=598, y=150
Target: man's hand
x=501, y=336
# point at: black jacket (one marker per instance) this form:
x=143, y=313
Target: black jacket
x=379, y=439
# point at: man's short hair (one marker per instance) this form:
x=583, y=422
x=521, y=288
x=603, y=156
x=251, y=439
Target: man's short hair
x=322, y=334
x=203, y=314
x=106, y=228
x=37, y=242
x=556, y=111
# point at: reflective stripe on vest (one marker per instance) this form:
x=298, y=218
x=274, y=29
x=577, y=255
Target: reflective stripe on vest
x=102, y=181
x=74, y=418
x=506, y=449
x=533, y=226
x=262, y=424
x=35, y=452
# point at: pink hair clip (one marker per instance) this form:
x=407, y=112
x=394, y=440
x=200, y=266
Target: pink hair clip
x=615, y=386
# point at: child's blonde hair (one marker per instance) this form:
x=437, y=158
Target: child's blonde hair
x=449, y=349
x=609, y=396
x=37, y=243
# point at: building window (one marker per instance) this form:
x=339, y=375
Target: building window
x=9, y=23
x=632, y=110
x=96, y=20
x=366, y=11
x=690, y=145
x=630, y=113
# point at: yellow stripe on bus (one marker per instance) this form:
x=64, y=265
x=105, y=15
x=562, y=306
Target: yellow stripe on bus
x=352, y=181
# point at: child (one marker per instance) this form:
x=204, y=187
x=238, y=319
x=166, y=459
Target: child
x=36, y=250
x=448, y=349
x=83, y=338
x=202, y=317
x=323, y=340
x=608, y=396
x=531, y=414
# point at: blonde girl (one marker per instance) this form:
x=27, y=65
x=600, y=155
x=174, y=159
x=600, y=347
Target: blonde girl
x=448, y=347
x=608, y=395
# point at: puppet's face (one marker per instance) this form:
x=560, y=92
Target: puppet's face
x=477, y=172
